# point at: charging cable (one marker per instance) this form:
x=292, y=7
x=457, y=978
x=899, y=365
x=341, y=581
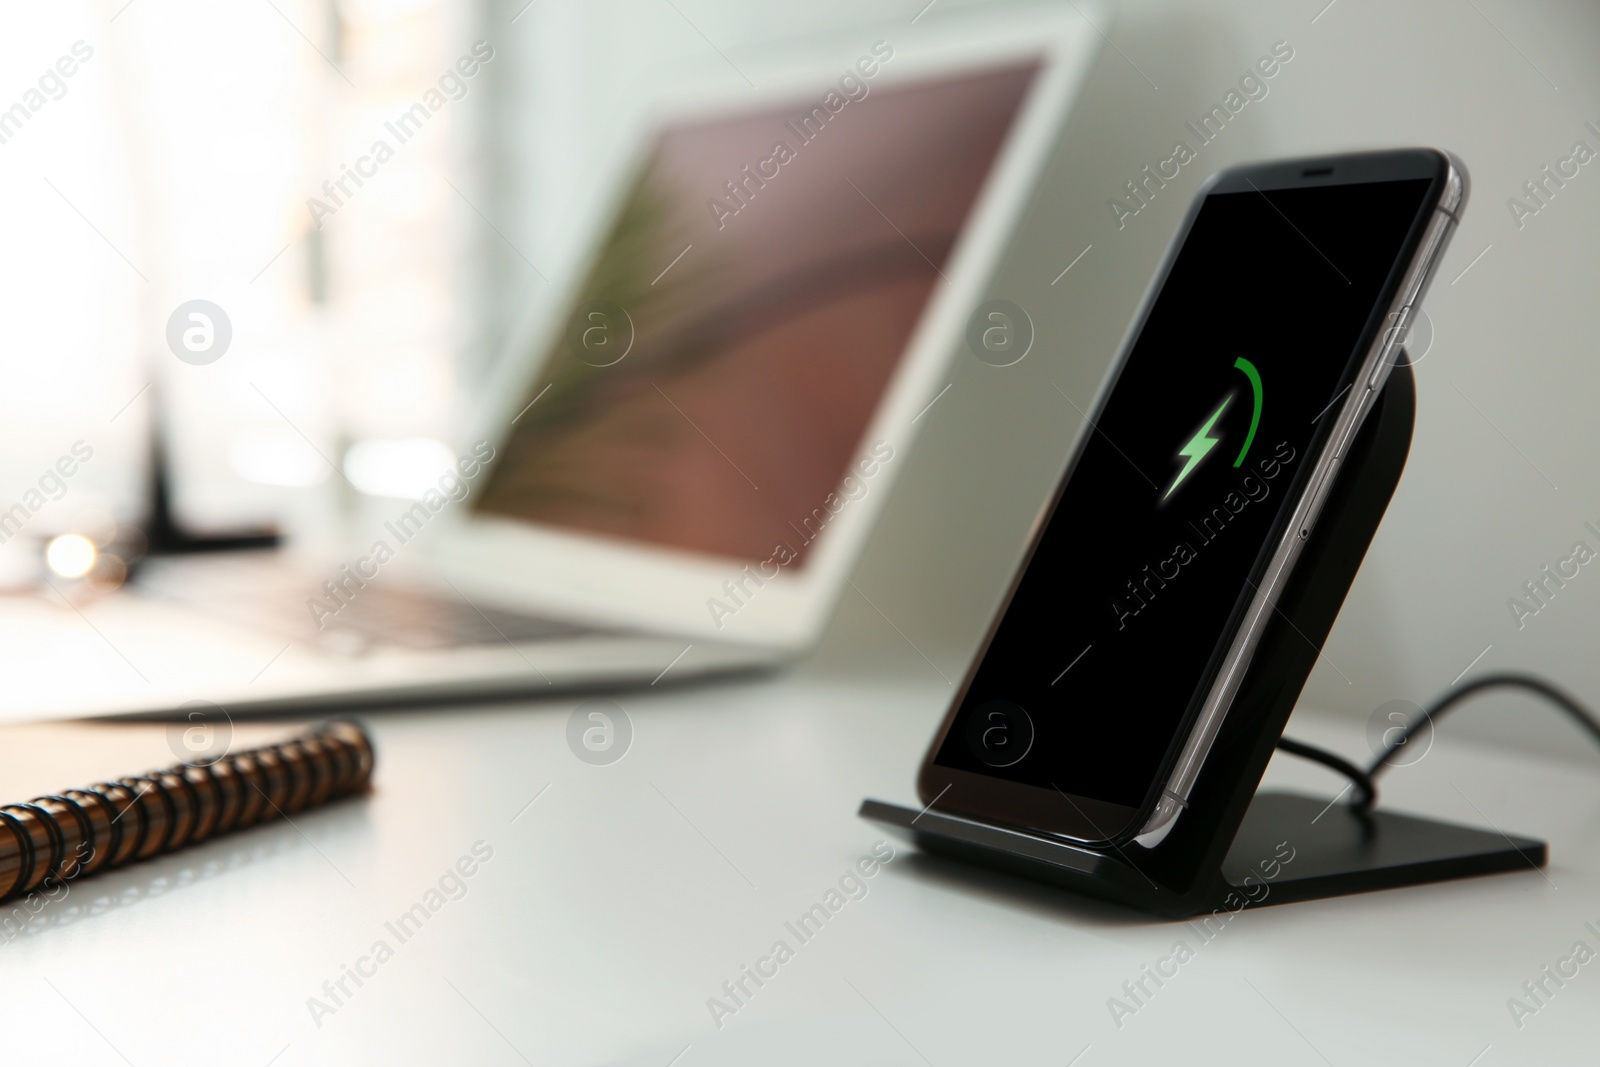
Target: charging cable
x=1365, y=781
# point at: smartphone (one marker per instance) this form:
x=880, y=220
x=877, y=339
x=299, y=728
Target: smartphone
x=1261, y=346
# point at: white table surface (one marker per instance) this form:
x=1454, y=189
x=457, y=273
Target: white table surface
x=621, y=900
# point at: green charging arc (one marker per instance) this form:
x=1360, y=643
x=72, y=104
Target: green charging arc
x=1255, y=415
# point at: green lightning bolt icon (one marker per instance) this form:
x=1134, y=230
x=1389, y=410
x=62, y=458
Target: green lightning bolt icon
x=1197, y=447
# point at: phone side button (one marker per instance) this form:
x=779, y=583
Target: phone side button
x=1355, y=424
x=1317, y=498
x=1393, y=342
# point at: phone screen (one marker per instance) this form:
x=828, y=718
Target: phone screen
x=1179, y=493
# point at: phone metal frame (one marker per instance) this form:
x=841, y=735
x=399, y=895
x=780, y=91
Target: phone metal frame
x=1159, y=812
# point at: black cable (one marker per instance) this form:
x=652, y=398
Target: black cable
x=1365, y=781
x=1366, y=790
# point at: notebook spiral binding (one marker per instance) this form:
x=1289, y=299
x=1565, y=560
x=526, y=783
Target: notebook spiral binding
x=79, y=832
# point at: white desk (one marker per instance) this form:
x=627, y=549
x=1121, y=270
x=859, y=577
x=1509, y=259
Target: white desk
x=623, y=898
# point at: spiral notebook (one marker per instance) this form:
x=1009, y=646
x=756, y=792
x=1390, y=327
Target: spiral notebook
x=96, y=804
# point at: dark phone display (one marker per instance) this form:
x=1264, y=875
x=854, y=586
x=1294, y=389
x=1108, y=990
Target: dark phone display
x=1114, y=632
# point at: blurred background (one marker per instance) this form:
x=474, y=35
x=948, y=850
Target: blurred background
x=196, y=151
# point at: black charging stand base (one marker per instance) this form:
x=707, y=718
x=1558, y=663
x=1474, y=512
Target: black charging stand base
x=1289, y=848
x=1233, y=848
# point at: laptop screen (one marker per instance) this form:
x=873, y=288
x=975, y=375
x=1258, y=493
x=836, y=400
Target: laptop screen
x=745, y=316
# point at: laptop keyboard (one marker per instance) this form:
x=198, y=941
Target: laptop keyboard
x=275, y=598
x=412, y=619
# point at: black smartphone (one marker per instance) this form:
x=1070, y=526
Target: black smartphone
x=1255, y=357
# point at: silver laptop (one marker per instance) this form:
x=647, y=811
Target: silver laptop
x=690, y=436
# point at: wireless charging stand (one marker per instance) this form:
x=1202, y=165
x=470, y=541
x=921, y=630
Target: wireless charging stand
x=1232, y=847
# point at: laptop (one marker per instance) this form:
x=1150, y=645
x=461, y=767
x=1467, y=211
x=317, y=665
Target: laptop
x=690, y=433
